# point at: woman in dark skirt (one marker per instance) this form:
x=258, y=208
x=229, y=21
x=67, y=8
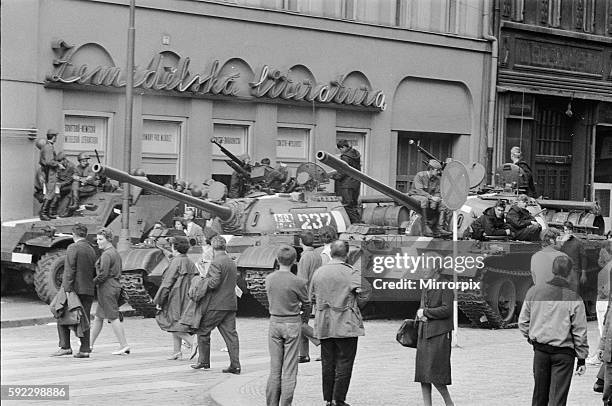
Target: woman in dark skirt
x=434, y=341
x=172, y=299
x=108, y=288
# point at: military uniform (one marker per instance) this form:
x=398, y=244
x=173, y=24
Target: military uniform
x=426, y=190
x=347, y=187
x=49, y=165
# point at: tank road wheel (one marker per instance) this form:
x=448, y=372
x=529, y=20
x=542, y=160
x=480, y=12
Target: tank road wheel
x=48, y=276
x=138, y=296
x=501, y=295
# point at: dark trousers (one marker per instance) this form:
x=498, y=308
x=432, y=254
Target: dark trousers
x=350, y=201
x=337, y=357
x=225, y=322
x=607, y=378
x=64, y=331
x=553, y=375
x=529, y=233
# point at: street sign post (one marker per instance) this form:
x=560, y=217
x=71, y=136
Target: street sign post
x=454, y=188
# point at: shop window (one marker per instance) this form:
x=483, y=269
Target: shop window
x=293, y=146
x=410, y=160
x=86, y=132
x=160, y=148
x=233, y=136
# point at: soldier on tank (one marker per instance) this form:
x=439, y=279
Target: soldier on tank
x=521, y=222
x=426, y=189
x=238, y=184
x=49, y=165
x=346, y=186
x=84, y=182
x=527, y=182
x=65, y=176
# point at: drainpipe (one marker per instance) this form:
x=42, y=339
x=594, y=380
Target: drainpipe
x=487, y=24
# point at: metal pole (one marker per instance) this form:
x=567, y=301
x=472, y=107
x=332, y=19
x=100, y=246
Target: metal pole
x=455, y=337
x=124, y=237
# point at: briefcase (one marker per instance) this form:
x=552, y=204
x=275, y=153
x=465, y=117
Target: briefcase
x=407, y=334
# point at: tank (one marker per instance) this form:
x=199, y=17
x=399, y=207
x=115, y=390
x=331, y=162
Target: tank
x=498, y=287
x=254, y=227
x=33, y=251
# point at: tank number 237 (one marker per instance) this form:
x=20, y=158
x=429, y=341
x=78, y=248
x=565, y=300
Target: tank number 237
x=305, y=221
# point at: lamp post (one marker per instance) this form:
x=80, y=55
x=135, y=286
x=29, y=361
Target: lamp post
x=124, y=236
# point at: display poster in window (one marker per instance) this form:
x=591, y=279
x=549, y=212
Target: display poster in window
x=292, y=144
x=83, y=133
x=160, y=137
x=231, y=137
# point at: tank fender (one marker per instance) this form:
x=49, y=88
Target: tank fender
x=58, y=240
x=262, y=256
x=149, y=259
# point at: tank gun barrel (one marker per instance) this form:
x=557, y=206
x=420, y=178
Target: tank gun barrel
x=227, y=153
x=239, y=169
x=224, y=213
x=569, y=205
x=344, y=168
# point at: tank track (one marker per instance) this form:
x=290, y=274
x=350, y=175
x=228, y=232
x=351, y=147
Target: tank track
x=138, y=297
x=256, y=284
x=475, y=306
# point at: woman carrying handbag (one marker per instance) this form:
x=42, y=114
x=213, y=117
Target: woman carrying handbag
x=435, y=325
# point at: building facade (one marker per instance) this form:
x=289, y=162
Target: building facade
x=276, y=79
x=554, y=88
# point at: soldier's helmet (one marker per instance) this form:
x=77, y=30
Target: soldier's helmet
x=83, y=155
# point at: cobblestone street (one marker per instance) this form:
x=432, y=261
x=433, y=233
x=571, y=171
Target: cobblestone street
x=491, y=367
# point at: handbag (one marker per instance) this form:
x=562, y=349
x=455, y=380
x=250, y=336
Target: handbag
x=407, y=334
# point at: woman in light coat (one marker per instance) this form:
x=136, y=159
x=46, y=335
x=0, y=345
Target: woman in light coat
x=172, y=296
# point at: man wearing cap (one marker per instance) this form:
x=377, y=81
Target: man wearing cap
x=84, y=181
x=426, y=189
x=527, y=182
x=64, y=176
x=346, y=186
x=49, y=166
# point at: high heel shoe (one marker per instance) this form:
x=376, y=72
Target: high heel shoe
x=178, y=355
x=123, y=351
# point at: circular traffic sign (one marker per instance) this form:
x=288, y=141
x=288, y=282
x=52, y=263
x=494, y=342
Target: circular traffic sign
x=454, y=185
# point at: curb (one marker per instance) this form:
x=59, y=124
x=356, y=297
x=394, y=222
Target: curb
x=227, y=393
x=35, y=321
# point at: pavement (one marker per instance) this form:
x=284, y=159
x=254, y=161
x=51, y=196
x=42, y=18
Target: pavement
x=490, y=367
x=26, y=309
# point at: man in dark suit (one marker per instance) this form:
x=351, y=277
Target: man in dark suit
x=79, y=273
x=221, y=310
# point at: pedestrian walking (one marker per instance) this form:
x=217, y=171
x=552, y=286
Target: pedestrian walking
x=605, y=354
x=309, y=262
x=553, y=319
x=172, y=299
x=433, y=364
x=603, y=296
x=338, y=322
x=78, y=277
x=108, y=270
x=287, y=295
x=221, y=308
